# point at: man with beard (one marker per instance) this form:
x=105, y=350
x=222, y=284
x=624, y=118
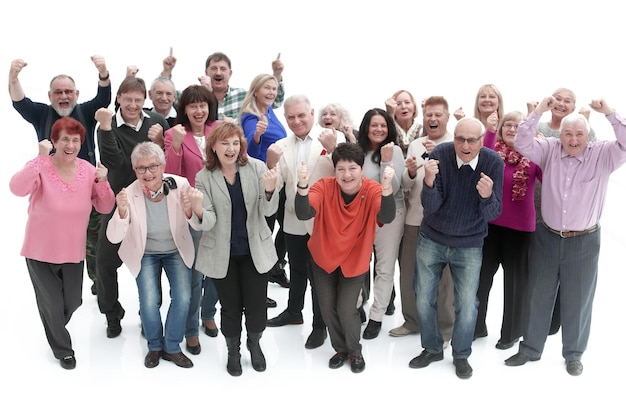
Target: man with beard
x=63, y=96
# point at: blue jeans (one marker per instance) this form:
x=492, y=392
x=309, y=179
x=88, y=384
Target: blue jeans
x=465, y=265
x=199, y=285
x=179, y=277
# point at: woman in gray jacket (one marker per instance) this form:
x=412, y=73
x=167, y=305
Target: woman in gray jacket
x=237, y=250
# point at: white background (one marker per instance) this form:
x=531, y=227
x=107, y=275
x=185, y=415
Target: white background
x=358, y=54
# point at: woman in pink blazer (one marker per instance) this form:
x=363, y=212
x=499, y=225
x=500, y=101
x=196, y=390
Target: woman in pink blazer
x=184, y=155
x=152, y=221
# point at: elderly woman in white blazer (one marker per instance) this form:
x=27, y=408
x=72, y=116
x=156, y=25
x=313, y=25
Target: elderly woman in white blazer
x=236, y=249
x=152, y=221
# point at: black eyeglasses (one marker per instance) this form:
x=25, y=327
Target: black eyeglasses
x=152, y=168
x=470, y=141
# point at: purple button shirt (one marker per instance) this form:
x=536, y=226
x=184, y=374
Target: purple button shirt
x=573, y=188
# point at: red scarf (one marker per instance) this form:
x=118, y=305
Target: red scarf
x=522, y=171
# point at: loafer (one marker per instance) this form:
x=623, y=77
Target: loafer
x=179, y=359
x=357, y=364
x=152, y=358
x=194, y=350
x=269, y=303
x=424, y=359
x=211, y=332
x=285, y=318
x=316, y=338
x=506, y=345
x=518, y=359
x=372, y=329
x=337, y=360
x=68, y=362
x=574, y=368
x=400, y=332
x=463, y=368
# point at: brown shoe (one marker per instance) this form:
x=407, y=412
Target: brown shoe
x=179, y=359
x=152, y=358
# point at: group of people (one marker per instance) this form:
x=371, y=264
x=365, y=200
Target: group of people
x=212, y=164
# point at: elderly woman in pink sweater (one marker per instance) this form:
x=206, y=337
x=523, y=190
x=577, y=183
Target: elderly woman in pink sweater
x=62, y=190
x=508, y=241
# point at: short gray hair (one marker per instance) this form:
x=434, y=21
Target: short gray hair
x=573, y=118
x=147, y=150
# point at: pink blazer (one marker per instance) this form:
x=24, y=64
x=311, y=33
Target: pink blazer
x=132, y=231
x=189, y=161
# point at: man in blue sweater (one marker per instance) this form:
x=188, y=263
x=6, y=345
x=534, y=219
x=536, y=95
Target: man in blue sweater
x=462, y=192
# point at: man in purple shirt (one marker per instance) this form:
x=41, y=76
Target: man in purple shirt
x=566, y=247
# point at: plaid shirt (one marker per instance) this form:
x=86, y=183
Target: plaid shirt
x=233, y=101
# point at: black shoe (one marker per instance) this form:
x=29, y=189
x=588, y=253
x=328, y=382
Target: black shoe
x=518, y=359
x=94, y=290
x=480, y=333
x=152, y=358
x=391, y=308
x=506, y=345
x=425, y=358
x=179, y=359
x=269, y=303
x=285, y=318
x=114, y=326
x=574, y=368
x=210, y=332
x=316, y=338
x=69, y=362
x=337, y=360
x=362, y=315
x=463, y=368
x=277, y=275
x=194, y=350
x=372, y=329
x=357, y=364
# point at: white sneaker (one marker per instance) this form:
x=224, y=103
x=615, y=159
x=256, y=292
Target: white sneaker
x=400, y=332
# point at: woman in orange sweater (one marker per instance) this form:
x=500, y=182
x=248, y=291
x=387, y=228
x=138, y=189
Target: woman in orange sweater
x=346, y=209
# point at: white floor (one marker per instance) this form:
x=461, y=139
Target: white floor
x=110, y=376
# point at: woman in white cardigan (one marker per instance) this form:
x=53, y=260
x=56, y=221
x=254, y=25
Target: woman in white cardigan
x=152, y=221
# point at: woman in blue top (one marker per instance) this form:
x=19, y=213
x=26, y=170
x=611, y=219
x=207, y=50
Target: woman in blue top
x=260, y=125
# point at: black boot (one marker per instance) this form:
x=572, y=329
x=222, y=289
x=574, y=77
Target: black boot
x=233, y=366
x=256, y=354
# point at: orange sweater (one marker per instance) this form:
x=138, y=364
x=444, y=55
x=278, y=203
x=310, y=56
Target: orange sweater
x=343, y=234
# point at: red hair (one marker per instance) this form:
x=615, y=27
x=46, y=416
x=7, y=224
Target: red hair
x=70, y=125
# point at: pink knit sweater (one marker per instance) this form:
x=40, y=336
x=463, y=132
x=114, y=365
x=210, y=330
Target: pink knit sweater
x=58, y=212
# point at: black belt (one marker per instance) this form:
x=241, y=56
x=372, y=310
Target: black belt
x=573, y=233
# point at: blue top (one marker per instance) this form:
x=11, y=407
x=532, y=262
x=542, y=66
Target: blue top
x=455, y=214
x=275, y=131
x=238, y=232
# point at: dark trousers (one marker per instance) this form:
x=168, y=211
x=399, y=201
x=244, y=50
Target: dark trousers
x=571, y=266
x=338, y=297
x=509, y=248
x=243, y=291
x=107, y=263
x=58, y=291
x=300, y=273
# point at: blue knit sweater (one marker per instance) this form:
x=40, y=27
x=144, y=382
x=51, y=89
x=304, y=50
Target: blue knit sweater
x=454, y=213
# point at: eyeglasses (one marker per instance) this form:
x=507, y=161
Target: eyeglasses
x=61, y=92
x=152, y=168
x=510, y=126
x=470, y=141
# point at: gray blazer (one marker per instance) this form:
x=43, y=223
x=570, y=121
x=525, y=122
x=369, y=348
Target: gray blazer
x=214, y=251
